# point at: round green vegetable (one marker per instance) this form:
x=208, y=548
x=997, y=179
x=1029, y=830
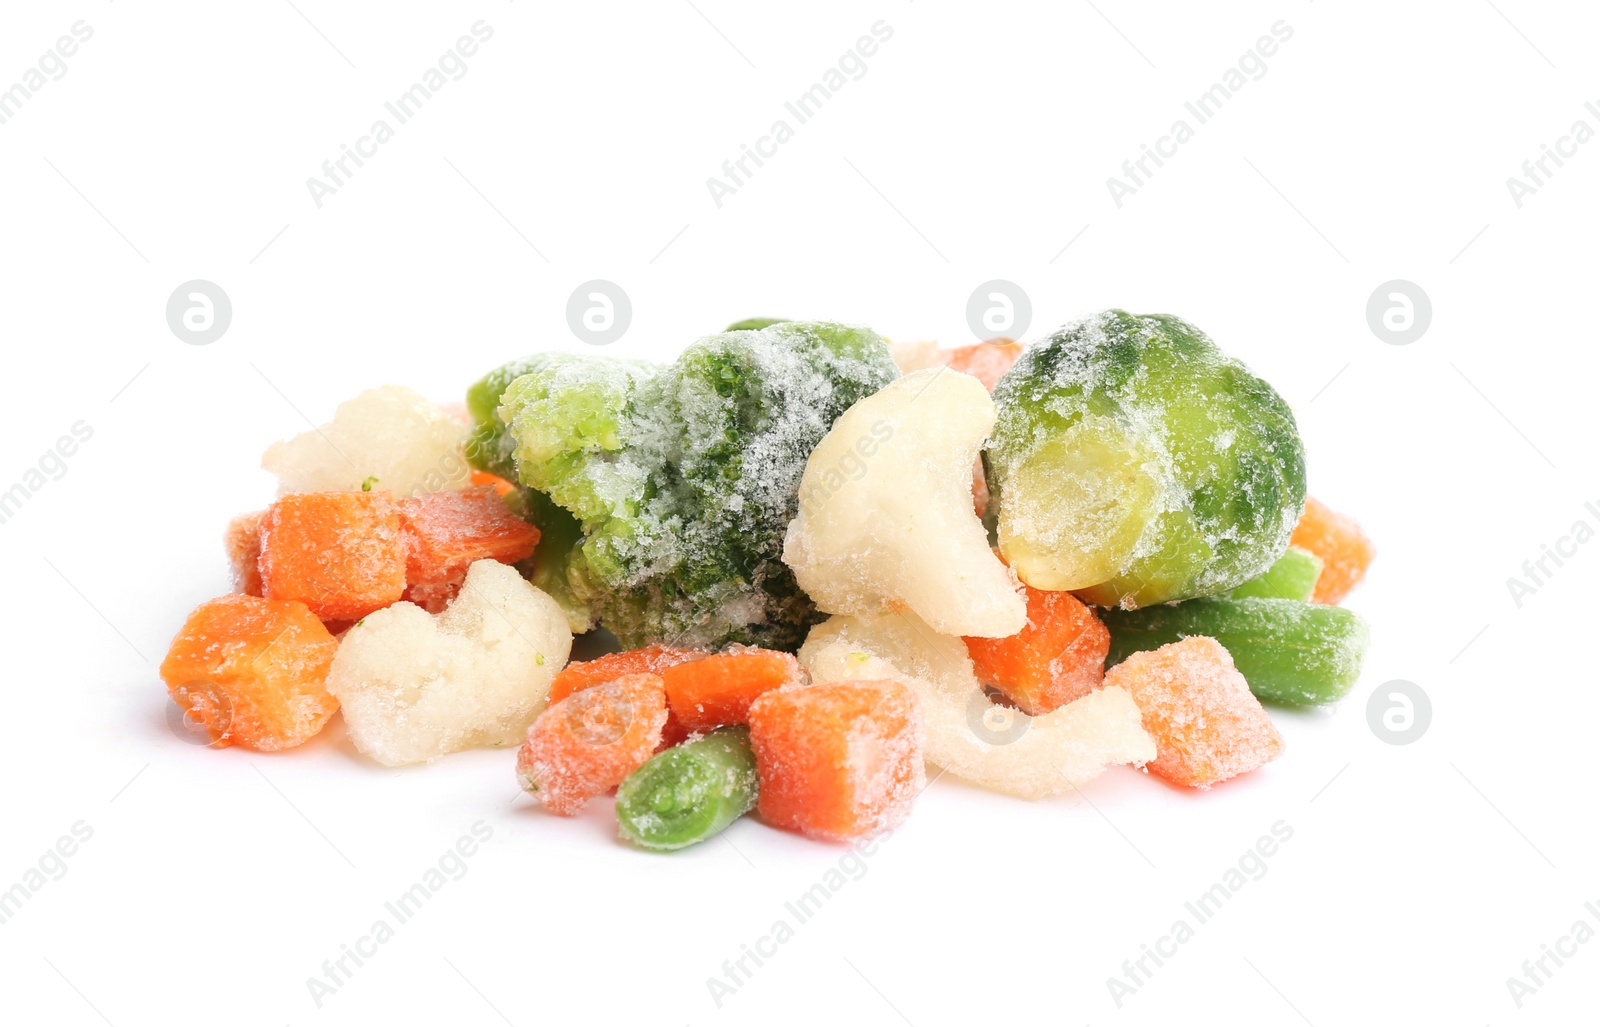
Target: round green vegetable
x=1134, y=463
x=689, y=792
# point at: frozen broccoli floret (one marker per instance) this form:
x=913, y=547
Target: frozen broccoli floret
x=1134, y=463
x=683, y=478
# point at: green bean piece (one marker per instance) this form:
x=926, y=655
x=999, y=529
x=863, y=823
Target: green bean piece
x=1297, y=654
x=689, y=792
x=1293, y=576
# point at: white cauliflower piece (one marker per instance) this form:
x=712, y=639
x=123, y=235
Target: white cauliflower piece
x=969, y=736
x=390, y=438
x=415, y=686
x=914, y=356
x=886, y=519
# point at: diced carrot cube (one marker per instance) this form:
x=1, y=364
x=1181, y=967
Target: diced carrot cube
x=717, y=690
x=340, y=553
x=1338, y=541
x=252, y=671
x=243, y=542
x=446, y=531
x=1059, y=656
x=588, y=743
x=838, y=760
x=1207, y=725
x=986, y=361
x=652, y=659
x=501, y=487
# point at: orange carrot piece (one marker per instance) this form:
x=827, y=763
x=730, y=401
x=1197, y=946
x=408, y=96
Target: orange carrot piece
x=1339, y=542
x=243, y=543
x=340, y=553
x=252, y=671
x=588, y=743
x=1207, y=725
x=445, y=532
x=501, y=487
x=717, y=690
x=1059, y=656
x=838, y=760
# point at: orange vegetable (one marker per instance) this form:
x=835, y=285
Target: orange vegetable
x=1206, y=725
x=501, y=487
x=986, y=361
x=838, y=760
x=338, y=552
x=251, y=671
x=588, y=743
x=243, y=542
x=1336, y=539
x=1059, y=656
x=717, y=690
x=652, y=659
x=446, y=531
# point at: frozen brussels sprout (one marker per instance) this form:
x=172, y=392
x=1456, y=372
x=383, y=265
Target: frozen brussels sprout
x=1134, y=463
x=886, y=519
x=677, y=482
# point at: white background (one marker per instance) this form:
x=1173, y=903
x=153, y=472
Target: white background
x=977, y=146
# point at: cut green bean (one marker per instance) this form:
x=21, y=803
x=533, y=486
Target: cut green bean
x=1298, y=654
x=689, y=792
x=1293, y=576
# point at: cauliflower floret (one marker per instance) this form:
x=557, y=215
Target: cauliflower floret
x=390, y=438
x=972, y=738
x=886, y=518
x=415, y=686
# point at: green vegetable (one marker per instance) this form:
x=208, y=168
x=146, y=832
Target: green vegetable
x=1134, y=463
x=1294, y=576
x=1299, y=654
x=753, y=324
x=689, y=792
x=678, y=482
x=366, y=484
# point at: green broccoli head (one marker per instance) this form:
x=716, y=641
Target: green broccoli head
x=682, y=479
x=1134, y=463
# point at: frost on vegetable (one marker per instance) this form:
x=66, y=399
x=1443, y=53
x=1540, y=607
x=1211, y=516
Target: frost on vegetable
x=676, y=483
x=1134, y=463
x=415, y=686
x=390, y=438
x=886, y=519
x=1031, y=757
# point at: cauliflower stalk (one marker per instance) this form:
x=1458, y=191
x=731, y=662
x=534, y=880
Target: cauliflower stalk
x=676, y=482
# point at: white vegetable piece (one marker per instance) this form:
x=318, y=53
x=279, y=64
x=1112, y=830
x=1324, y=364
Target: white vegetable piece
x=886, y=519
x=415, y=686
x=969, y=736
x=390, y=438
